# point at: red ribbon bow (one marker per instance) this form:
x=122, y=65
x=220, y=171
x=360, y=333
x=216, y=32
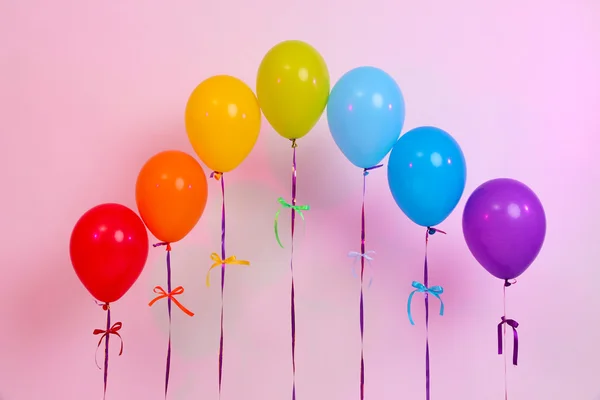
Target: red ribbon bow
x=114, y=330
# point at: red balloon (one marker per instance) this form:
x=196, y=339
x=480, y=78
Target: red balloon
x=109, y=248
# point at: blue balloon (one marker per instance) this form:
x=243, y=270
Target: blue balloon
x=427, y=173
x=365, y=113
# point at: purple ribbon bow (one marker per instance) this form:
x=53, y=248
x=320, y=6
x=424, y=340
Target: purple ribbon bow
x=514, y=325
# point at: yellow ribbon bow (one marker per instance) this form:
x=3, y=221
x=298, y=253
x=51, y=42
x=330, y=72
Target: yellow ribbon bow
x=217, y=262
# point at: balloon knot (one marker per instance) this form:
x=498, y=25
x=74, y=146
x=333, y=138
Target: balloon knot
x=432, y=231
x=509, y=282
x=105, y=306
x=294, y=144
x=216, y=175
x=167, y=244
x=366, y=170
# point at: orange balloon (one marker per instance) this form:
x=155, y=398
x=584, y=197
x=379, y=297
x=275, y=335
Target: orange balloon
x=170, y=193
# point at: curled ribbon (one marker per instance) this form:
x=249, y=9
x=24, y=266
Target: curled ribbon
x=514, y=325
x=217, y=262
x=367, y=256
x=216, y=175
x=105, y=306
x=162, y=294
x=285, y=204
x=419, y=287
x=167, y=248
x=367, y=170
x=114, y=330
x=433, y=231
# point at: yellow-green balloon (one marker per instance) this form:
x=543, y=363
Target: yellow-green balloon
x=292, y=87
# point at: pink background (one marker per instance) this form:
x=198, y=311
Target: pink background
x=90, y=89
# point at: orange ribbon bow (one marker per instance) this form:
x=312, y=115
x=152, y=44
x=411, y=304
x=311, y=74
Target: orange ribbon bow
x=162, y=294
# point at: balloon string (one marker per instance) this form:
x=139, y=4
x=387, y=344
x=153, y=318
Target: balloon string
x=107, y=338
x=169, y=298
x=430, y=231
x=105, y=335
x=223, y=261
x=504, y=344
x=502, y=336
x=106, y=351
x=168, y=363
x=292, y=294
x=222, y=280
x=362, y=275
x=426, y=283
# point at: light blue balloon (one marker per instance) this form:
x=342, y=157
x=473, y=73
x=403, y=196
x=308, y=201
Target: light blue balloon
x=365, y=113
x=427, y=173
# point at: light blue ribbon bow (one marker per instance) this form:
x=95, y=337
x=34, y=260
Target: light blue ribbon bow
x=367, y=256
x=419, y=287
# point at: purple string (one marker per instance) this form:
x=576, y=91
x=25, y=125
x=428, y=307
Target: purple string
x=222, y=280
x=430, y=231
x=502, y=338
x=293, y=306
x=106, y=350
x=426, y=283
x=110, y=330
x=168, y=364
x=362, y=274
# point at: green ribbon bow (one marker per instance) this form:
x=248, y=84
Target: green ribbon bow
x=285, y=204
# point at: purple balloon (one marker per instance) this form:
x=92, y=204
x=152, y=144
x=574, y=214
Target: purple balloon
x=504, y=226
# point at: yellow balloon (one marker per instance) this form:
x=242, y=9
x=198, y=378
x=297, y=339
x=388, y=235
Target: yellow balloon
x=222, y=119
x=292, y=86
